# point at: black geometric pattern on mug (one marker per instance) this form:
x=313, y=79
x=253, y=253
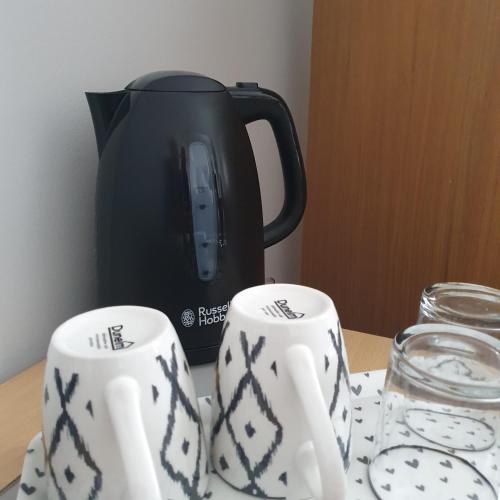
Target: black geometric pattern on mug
x=223, y=334
x=342, y=375
x=248, y=379
x=179, y=400
x=28, y=490
x=65, y=421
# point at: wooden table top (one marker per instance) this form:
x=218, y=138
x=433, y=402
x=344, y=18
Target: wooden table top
x=20, y=397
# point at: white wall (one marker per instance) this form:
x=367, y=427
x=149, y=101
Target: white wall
x=51, y=51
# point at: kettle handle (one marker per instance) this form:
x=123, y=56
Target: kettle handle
x=255, y=103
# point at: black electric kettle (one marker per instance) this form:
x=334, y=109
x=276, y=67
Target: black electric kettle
x=178, y=207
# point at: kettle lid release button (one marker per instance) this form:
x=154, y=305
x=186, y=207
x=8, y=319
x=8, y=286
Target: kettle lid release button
x=247, y=85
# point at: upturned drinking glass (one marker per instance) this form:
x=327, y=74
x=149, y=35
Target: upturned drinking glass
x=438, y=435
x=462, y=304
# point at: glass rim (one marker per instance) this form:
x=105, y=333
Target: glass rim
x=433, y=305
x=461, y=285
x=400, y=342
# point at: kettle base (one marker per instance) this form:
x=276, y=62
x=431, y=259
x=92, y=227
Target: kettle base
x=203, y=355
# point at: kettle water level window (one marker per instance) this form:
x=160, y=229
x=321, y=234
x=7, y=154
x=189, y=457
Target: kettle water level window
x=201, y=179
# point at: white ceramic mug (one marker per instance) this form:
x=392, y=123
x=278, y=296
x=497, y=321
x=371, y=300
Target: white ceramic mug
x=281, y=421
x=120, y=414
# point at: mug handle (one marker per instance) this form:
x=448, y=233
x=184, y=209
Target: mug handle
x=123, y=396
x=331, y=483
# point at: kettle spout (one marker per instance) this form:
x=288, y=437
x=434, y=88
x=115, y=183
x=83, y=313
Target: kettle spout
x=103, y=107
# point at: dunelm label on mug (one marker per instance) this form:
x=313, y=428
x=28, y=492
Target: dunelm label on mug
x=281, y=309
x=112, y=339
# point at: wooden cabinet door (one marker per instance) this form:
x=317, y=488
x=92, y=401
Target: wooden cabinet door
x=404, y=154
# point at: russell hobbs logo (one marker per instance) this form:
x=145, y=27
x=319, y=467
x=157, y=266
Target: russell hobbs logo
x=115, y=336
x=187, y=318
x=285, y=309
x=206, y=316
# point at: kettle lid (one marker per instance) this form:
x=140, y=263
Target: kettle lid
x=175, y=81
